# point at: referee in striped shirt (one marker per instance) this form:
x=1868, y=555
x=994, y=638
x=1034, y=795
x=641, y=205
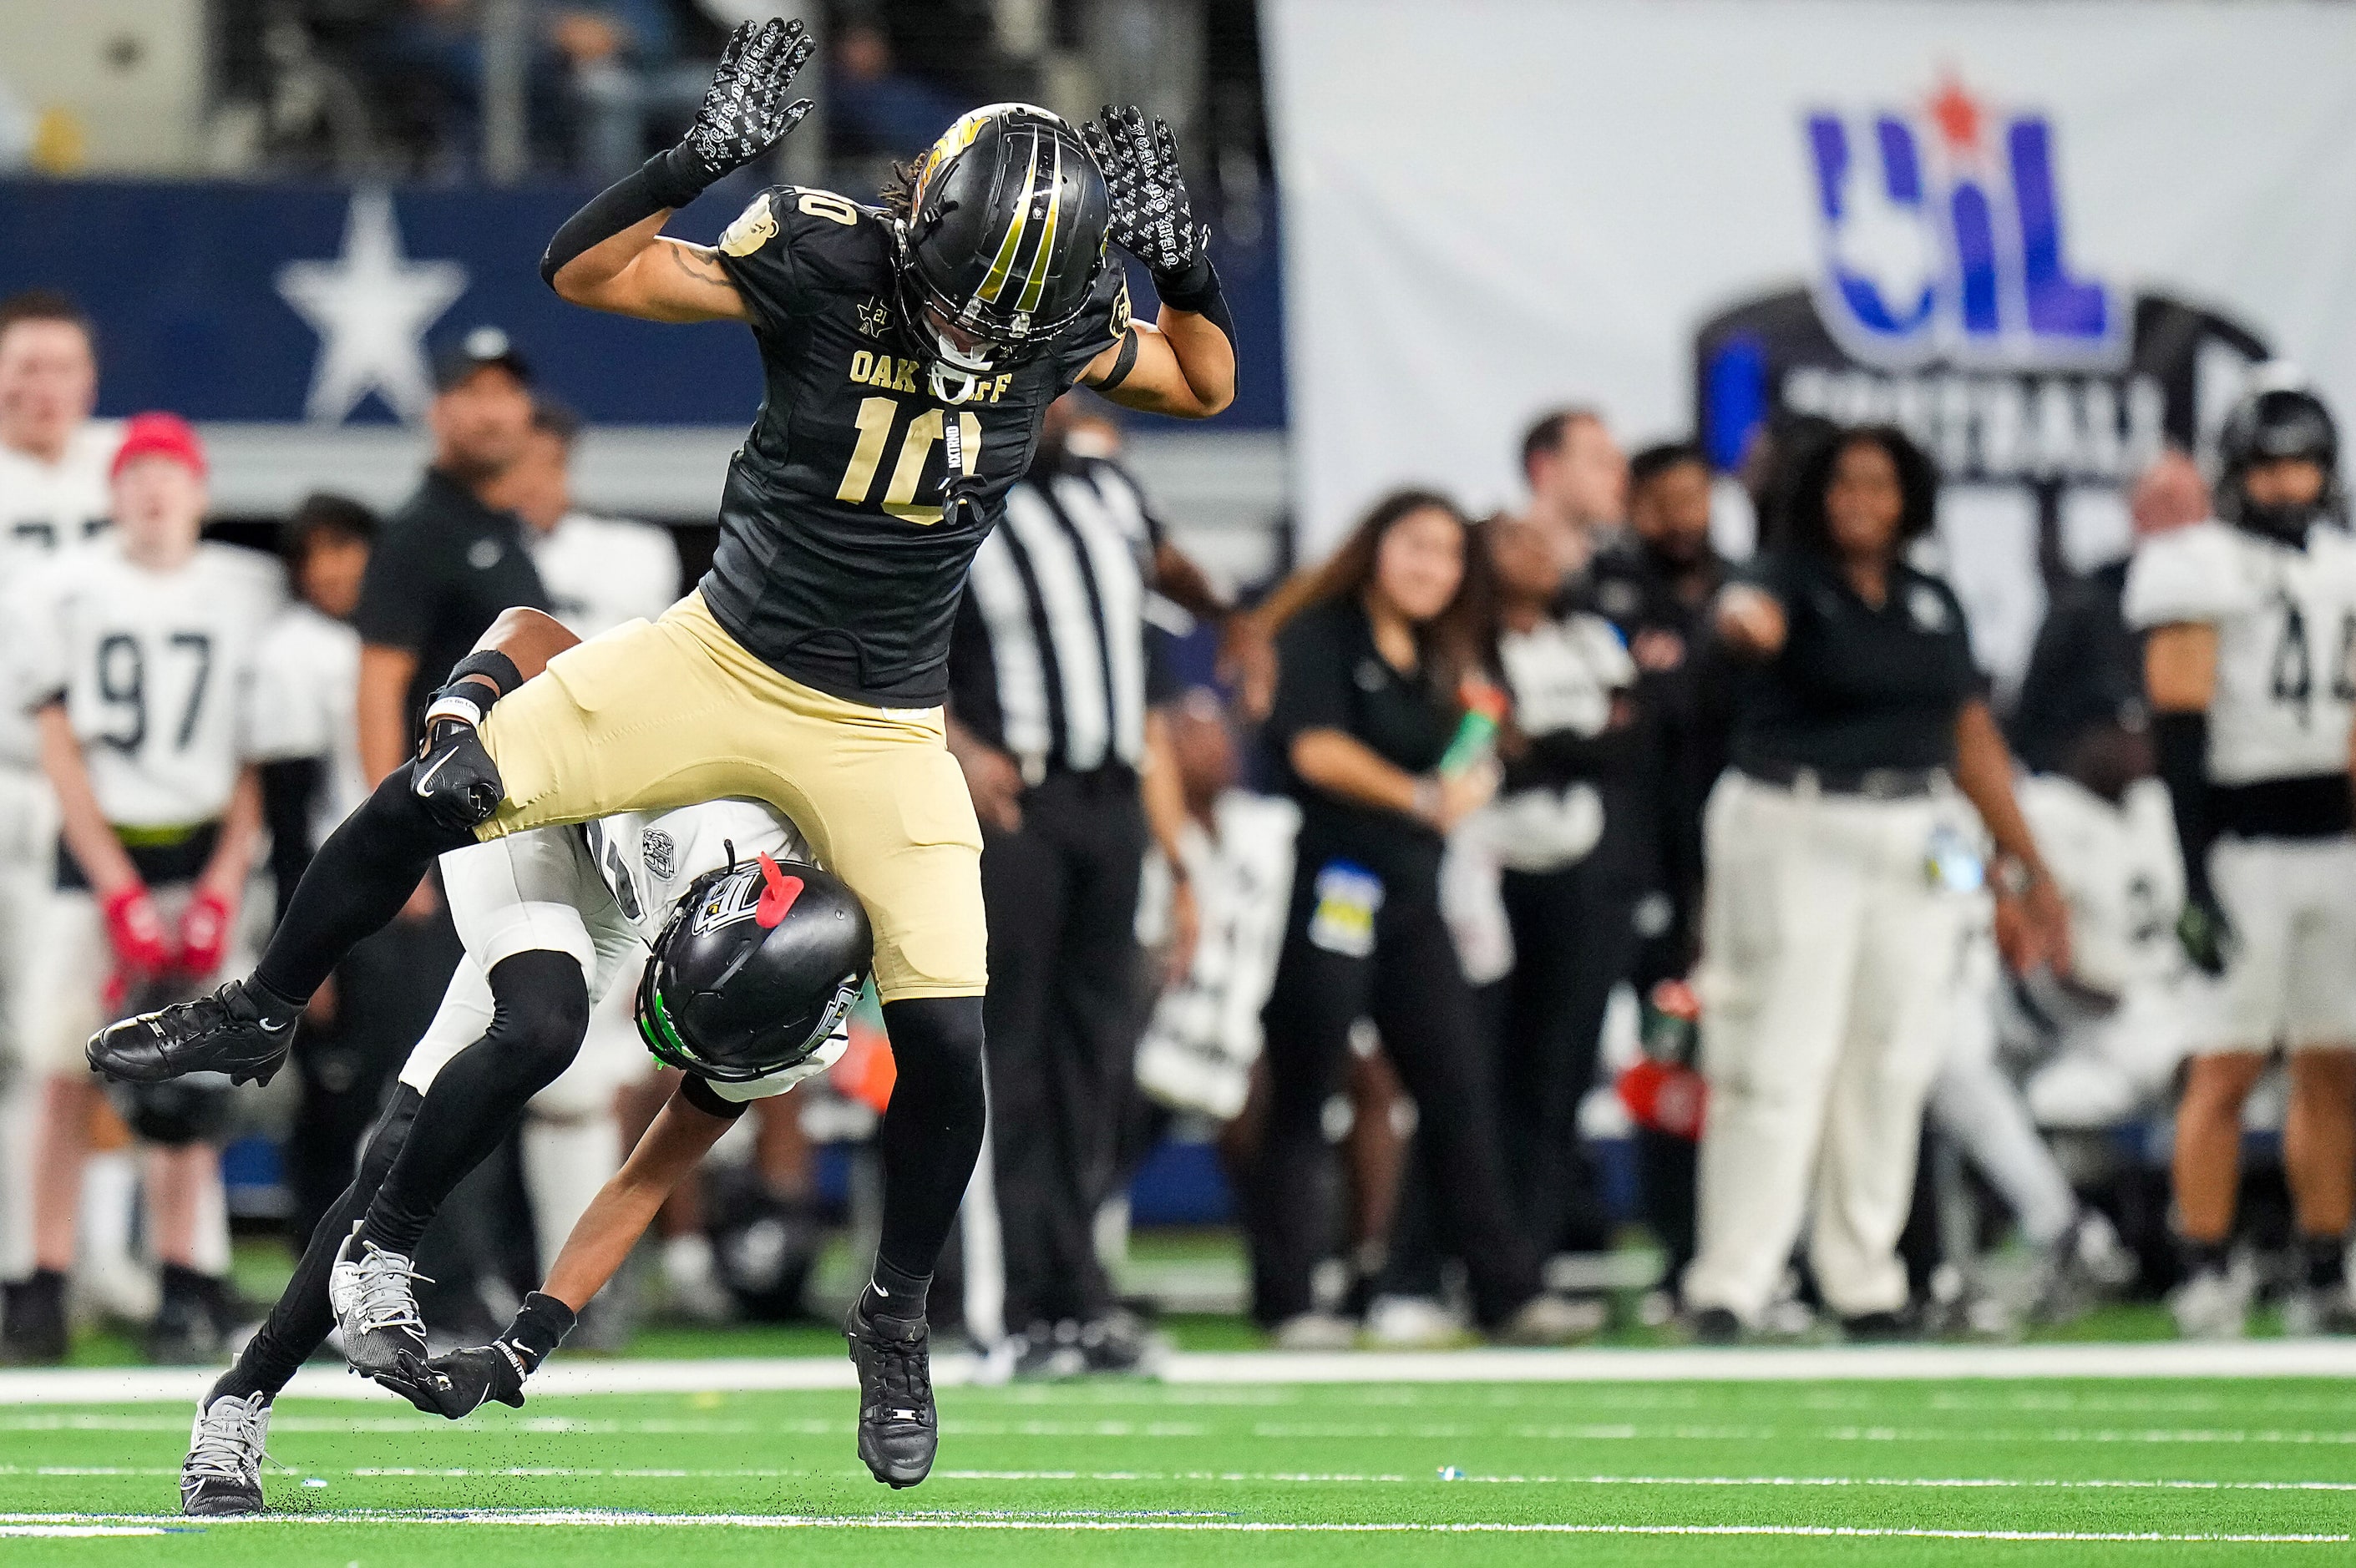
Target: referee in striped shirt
x=1048, y=716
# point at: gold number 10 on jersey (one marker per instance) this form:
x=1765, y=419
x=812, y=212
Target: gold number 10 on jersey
x=876, y=416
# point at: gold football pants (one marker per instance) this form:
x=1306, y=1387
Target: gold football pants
x=655, y=716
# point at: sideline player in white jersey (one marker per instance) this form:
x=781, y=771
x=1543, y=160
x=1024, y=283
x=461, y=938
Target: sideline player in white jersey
x=53, y=463
x=757, y=959
x=137, y=654
x=600, y=573
x=2253, y=629
x=2111, y=1042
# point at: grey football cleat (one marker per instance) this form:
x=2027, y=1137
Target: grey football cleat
x=222, y=1474
x=375, y=1309
x=898, y=1427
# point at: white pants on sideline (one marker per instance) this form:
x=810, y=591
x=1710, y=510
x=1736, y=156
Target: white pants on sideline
x=1828, y=984
x=2292, y=980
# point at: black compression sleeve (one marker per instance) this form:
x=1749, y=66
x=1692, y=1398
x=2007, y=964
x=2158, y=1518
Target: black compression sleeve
x=625, y=204
x=1196, y=290
x=2182, y=741
x=289, y=786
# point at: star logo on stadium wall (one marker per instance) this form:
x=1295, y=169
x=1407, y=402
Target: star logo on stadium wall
x=371, y=307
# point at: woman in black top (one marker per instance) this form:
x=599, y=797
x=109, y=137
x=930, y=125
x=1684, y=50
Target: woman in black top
x=1843, y=878
x=1366, y=701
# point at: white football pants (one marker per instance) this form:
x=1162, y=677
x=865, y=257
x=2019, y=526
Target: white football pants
x=1828, y=983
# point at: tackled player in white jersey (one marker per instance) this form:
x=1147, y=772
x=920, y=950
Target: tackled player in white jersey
x=2252, y=628
x=753, y=958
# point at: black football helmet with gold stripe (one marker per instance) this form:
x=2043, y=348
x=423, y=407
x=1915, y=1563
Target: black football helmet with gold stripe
x=1004, y=240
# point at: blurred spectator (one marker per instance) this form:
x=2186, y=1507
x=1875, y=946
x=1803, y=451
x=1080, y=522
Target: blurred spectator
x=1366, y=703
x=1237, y=850
x=1048, y=690
x=1656, y=585
x=1829, y=985
x=139, y=656
x=633, y=63
x=599, y=572
x=449, y=561
x=1574, y=743
x=53, y=492
x=875, y=108
x=1579, y=482
x=306, y=737
x=2086, y=668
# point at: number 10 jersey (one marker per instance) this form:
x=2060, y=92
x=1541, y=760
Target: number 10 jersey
x=2286, y=622
x=836, y=565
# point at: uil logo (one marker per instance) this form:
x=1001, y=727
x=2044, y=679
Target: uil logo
x=1941, y=231
x=874, y=315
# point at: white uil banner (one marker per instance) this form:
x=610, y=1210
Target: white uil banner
x=2046, y=237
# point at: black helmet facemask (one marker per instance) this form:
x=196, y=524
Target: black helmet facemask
x=2280, y=419
x=1003, y=246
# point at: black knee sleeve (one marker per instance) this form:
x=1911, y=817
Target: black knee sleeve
x=358, y=879
x=932, y=1131
x=539, y=1015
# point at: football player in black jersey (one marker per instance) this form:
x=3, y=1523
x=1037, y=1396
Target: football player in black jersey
x=910, y=352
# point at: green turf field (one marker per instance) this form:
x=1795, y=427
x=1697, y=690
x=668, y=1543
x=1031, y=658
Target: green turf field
x=1978, y=1472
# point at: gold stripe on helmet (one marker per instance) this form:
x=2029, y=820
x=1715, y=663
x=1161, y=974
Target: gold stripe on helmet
x=1003, y=263
x=1042, y=260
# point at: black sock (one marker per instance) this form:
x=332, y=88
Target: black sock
x=895, y=1292
x=358, y=879
x=299, y=1321
x=539, y=1016
x=2327, y=1261
x=2203, y=1257
x=930, y=1136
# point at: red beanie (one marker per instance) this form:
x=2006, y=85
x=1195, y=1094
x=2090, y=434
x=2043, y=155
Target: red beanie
x=160, y=435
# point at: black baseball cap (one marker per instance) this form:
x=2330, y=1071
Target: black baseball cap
x=482, y=347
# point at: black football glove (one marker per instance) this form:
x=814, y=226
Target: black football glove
x=456, y=777
x=456, y=1384
x=2207, y=935
x=745, y=113
x=1151, y=217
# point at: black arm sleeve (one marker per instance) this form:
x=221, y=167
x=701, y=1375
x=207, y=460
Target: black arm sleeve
x=2183, y=742
x=624, y=204
x=288, y=788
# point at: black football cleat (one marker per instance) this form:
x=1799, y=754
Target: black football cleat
x=898, y=1427
x=230, y=1031
x=221, y=1476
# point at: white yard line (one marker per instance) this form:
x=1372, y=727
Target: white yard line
x=1084, y=1522
x=2163, y=1359
x=1232, y=1477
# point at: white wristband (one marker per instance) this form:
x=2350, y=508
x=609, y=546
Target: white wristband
x=457, y=707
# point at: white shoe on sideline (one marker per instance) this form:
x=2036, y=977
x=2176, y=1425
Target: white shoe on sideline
x=2215, y=1303
x=1412, y=1323
x=1315, y=1331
